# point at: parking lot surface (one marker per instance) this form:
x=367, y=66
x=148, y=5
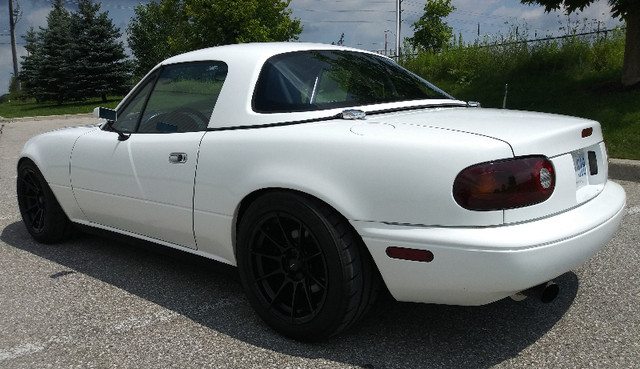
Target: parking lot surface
x=97, y=302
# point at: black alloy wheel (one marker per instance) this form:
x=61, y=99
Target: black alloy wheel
x=289, y=268
x=303, y=268
x=41, y=212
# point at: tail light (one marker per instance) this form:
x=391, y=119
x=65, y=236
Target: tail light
x=505, y=184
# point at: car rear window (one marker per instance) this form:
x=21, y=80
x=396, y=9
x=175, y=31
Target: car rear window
x=315, y=80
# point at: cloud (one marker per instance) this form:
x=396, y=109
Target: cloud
x=556, y=22
x=36, y=18
x=497, y=16
x=474, y=5
x=362, y=22
x=531, y=13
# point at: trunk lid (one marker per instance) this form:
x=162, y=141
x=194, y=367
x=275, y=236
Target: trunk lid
x=527, y=133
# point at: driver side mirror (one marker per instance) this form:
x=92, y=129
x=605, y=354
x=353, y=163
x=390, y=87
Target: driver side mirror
x=110, y=115
x=105, y=113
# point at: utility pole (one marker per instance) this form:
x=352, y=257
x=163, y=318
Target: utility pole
x=398, y=20
x=13, y=17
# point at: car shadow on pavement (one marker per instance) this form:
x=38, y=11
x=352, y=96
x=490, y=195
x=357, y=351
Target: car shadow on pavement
x=392, y=335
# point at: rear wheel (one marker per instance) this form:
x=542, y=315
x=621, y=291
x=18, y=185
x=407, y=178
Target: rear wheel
x=41, y=212
x=303, y=268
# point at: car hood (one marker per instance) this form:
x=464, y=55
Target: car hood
x=527, y=133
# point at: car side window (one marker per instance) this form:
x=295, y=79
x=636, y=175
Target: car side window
x=179, y=98
x=129, y=116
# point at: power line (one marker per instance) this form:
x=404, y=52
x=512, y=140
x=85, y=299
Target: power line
x=346, y=11
x=350, y=21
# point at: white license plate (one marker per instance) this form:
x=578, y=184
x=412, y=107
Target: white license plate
x=580, y=166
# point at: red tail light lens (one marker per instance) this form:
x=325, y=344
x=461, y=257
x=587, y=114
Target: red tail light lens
x=506, y=184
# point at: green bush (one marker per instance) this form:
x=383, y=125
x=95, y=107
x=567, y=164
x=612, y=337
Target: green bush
x=463, y=64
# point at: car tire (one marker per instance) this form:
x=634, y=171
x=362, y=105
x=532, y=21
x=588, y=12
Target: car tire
x=304, y=269
x=41, y=213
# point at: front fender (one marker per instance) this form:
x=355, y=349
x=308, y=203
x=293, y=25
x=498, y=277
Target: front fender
x=51, y=153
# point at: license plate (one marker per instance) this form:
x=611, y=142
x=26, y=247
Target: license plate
x=580, y=166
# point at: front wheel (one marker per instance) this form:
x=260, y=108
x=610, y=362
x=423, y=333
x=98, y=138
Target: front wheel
x=305, y=271
x=40, y=210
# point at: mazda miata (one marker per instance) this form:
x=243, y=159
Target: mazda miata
x=326, y=174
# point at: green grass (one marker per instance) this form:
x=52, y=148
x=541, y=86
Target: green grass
x=29, y=108
x=573, y=77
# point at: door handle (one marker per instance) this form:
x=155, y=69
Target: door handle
x=177, y=158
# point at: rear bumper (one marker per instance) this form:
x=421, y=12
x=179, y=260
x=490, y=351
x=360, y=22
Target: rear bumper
x=476, y=266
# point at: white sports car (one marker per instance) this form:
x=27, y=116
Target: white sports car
x=324, y=174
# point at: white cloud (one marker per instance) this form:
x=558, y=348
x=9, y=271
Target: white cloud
x=362, y=22
x=34, y=18
x=496, y=16
x=474, y=5
x=529, y=13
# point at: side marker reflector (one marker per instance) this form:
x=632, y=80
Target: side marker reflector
x=395, y=252
x=587, y=132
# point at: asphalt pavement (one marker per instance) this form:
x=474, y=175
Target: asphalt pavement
x=95, y=302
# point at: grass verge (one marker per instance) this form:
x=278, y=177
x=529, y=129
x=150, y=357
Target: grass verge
x=29, y=108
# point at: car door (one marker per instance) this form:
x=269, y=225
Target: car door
x=137, y=174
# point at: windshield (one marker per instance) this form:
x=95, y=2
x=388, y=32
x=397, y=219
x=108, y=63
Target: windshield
x=315, y=80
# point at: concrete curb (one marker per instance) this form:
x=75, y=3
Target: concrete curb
x=624, y=170
x=47, y=117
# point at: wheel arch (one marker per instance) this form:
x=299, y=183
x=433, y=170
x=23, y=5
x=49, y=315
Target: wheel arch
x=253, y=196
x=24, y=159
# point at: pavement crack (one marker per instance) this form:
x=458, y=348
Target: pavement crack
x=61, y=274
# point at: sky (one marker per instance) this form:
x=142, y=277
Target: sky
x=363, y=22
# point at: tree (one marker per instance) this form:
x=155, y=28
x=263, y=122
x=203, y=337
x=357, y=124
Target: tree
x=171, y=27
x=149, y=32
x=98, y=58
x=430, y=31
x=30, y=73
x=76, y=56
x=627, y=10
x=54, y=72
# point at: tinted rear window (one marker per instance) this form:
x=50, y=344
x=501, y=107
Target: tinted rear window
x=315, y=80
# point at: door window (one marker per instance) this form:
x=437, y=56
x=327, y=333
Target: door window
x=179, y=98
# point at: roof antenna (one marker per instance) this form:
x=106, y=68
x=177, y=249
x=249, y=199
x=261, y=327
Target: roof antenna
x=506, y=92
